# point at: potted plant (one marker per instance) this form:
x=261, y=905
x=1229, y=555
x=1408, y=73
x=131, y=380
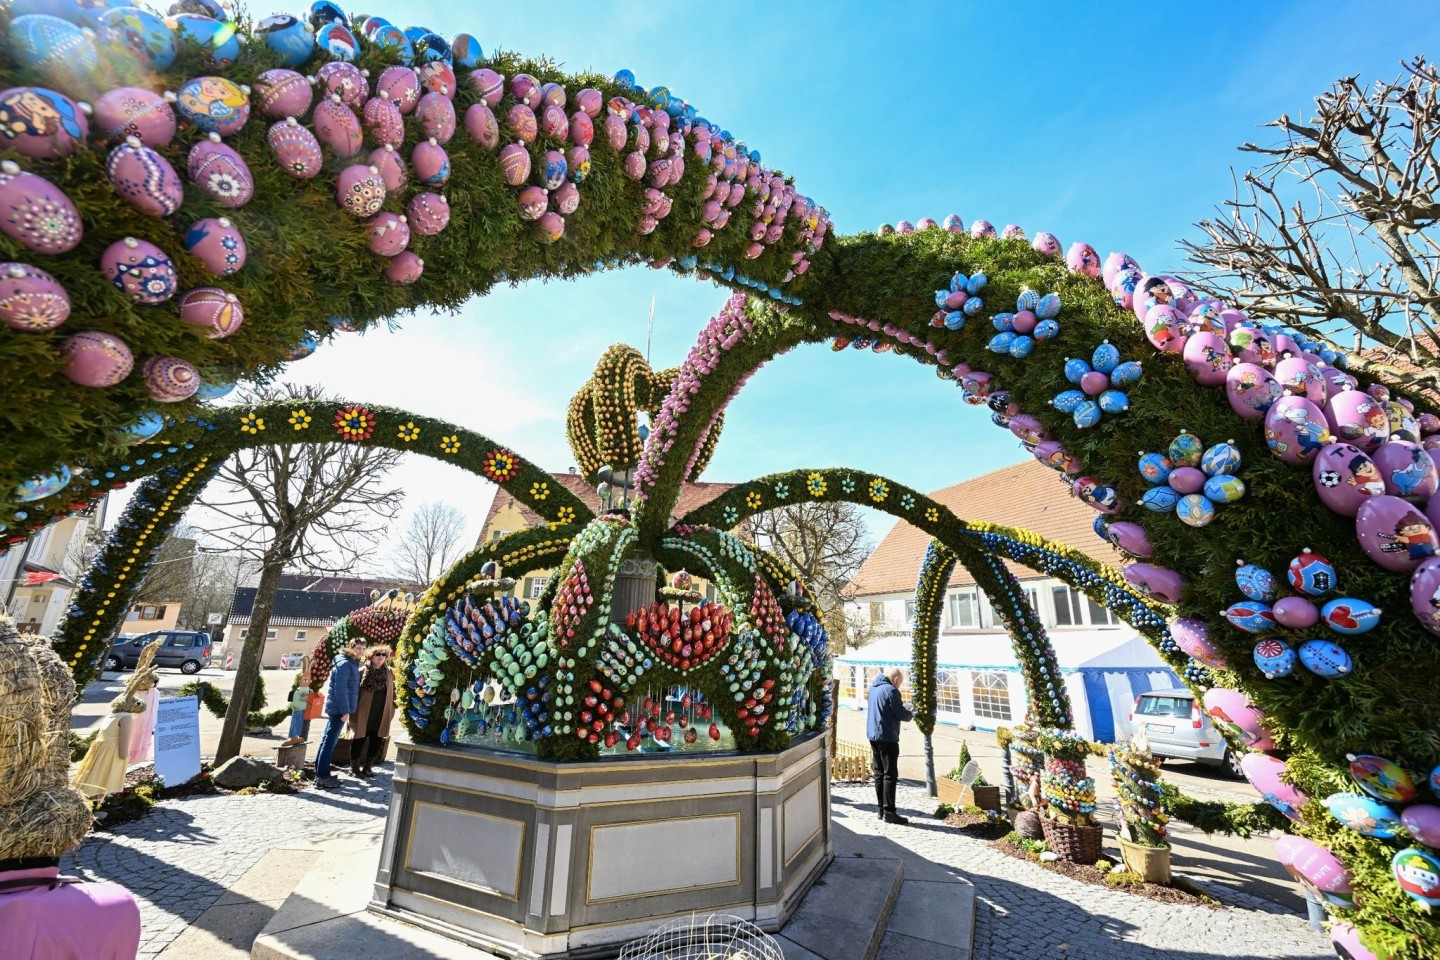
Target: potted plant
x=954, y=790
x=1144, y=838
x=1068, y=792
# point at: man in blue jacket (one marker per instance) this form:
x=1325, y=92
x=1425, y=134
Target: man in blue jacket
x=883, y=717
x=342, y=696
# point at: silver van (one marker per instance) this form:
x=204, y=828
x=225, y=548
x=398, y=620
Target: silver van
x=1177, y=727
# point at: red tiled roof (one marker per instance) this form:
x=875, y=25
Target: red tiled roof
x=1028, y=495
x=692, y=496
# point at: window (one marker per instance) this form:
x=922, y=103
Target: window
x=1074, y=609
x=534, y=586
x=299, y=634
x=877, y=612
x=947, y=691
x=1101, y=616
x=179, y=640
x=152, y=612
x=269, y=634
x=1150, y=706
x=991, y=692
x=909, y=611
x=964, y=612
x=244, y=634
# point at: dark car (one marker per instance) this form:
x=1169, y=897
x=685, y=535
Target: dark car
x=187, y=649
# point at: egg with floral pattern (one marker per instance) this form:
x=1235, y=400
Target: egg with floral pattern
x=1274, y=658
x=217, y=312
x=221, y=172
x=31, y=300
x=337, y=127
x=217, y=244
x=295, y=149
x=360, y=190
x=428, y=213
x=283, y=93
x=140, y=270
x=96, y=359
x=134, y=112
x=342, y=79
x=400, y=86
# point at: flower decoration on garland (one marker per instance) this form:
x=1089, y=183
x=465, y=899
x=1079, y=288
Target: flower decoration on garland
x=1097, y=379
x=815, y=484
x=408, y=432
x=563, y=516
x=732, y=516
x=907, y=502
x=251, y=423
x=782, y=491
x=752, y=500
x=450, y=444
x=539, y=490
x=960, y=302
x=500, y=465
x=354, y=423
x=879, y=490
x=300, y=419
x=848, y=484
x=1033, y=320
x=932, y=515
x=1190, y=480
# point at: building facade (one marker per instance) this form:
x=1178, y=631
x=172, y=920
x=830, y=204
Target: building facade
x=38, y=576
x=306, y=607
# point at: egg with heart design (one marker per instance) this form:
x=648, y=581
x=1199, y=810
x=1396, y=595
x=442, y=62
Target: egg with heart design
x=1252, y=616
x=1350, y=616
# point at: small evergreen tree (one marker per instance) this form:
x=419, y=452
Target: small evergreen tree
x=960, y=762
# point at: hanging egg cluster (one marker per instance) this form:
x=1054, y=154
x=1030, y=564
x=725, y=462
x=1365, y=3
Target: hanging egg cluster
x=572, y=603
x=683, y=640
x=599, y=708
x=1191, y=480
x=473, y=628
x=959, y=302
x=1099, y=381
x=742, y=675
x=1033, y=321
x=807, y=655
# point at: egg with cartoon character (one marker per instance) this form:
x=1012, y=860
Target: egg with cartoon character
x=1356, y=417
x=1295, y=430
x=1407, y=469
x=1394, y=533
x=1403, y=425
x=1096, y=494
x=1265, y=774
x=1159, y=583
x=1081, y=258
x=214, y=104
x=1193, y=637
x=1382, y=779
x=1208, y=359
x=1425, y=595
x=1422, y=821
x=1162, y=328
x=1252, y=390
x=1129, y=537
x=1233, y=711
x=41, y=123
x=146, y=36
x=1345, y=477
x=1417, y=872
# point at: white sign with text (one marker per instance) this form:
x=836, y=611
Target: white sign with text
x=177, y=739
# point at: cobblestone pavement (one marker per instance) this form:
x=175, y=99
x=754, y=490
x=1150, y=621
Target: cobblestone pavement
x=180, y=858
x=1025, y=911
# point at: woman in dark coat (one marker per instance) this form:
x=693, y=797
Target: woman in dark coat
x=370, y=724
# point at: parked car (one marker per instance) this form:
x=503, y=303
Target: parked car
x=1177, y=727
x=189, y=650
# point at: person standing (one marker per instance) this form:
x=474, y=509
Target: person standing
x=299, y=704
x=885, y=712
x=341, y=698
x=370, y=725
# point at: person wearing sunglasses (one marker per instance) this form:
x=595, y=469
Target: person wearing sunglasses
x=370, y=723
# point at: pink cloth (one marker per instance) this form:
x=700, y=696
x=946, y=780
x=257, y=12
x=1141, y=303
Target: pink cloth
x=140, y=733
x=75, y=921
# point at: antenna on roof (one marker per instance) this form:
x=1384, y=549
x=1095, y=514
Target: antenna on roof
x=649, y=328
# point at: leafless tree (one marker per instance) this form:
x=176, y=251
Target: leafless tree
x=825, y=542
x=430, y=544
x=1335, y=231
x=317, y=506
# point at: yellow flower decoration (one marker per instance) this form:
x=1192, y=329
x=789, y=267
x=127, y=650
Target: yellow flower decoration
x=450, y=444
x=815, y=483
x=539, y=490
x=879, y=490
x=932, y=514
x=300, y=420
x=408, y=432
x=563, y=516
x=250, y=423
x=752, y=500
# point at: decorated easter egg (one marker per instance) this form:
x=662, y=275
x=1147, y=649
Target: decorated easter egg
x=553, y=169
x=1220, y=459
x=324, y=12
x=96, y=359
x=1395, y=534
x=1155, y=467
x=615, y=131
x=1067, y=400
x=1099, y=495
x=1295, y=430
x=1046, y=244
x=134, y=112
x=1274, y=658
x=1422, y=821
x=404, y=268
x=431, y=163
x=480, y=123
x=1264, y=773
x=41, y=123
x=1345, y=478
x=337, y=40
x=383, y=122
x=1252, y=616
x=1081, y=258
x=215, y=390
x=144, y=179
x=431, y=47
x=1159, y=583
x=1348, y=944
x=533, y=202
x=1122, y=287
x=437, y=76
x=1350, y=616
x=1186, y=450
x=400, y=86
x=283, y=93
x=359, y=190
x=1046, y=330
x=581, y=128
x=436, y=116
x=1232, y=711
x=566, y=198
x=217, y=312
x=1403, y=425
x=169, y=379
x=1417, y=871
x=1407, y=470
x=554, y=123
x=37, y=213
x=1160, y=499
x=466, y=51
x=1316, y=868
x=1300, y=378
x=142, y=33
x=1382, y=779
x=1162, y=328
x=295, y=148
x=1325, y=659
x=1311, y=574
x=217, y=244
x=1208, y=359
x=342, y=79
x=521, y=123
x=221, y=172
x=428, y=213
x=213, y=104
x=55, y=46
x=590, y=101
x=1251, y=390
x=390, y=37
x=1295, y=613
x=515, y=164
x=337, y=127
x=1425, y=594
x=1358, y=418
x=42, y=486
x=1224, y=489
x=1000, y=343
x=1195, y=510
x=389, y=233
x=551, y=226
x=140, y=270
x=288, y=37
x=1365, y=815
x=1086, y=414
x=391, y=167
x=30, y=299
x=1126, y=374
x=1113, y=401
x=1131, y=538
x=1256, y=583
x=218, y=39
x=1054, y=456
x=1193, y=637
x=982, y=228
x=1105, y=357
x=1205, y=318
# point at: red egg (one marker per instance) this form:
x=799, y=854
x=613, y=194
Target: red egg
x=218, y=312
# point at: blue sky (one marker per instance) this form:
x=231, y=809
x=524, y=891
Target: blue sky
x=1110, y=123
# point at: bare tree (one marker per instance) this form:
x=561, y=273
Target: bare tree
x=1362, y=254
x=317, y=505
x=430, y=544
x=825, y=542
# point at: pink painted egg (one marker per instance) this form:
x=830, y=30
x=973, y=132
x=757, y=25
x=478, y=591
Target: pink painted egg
x=566, y=199
x=1130, y=537
x=360, y=190
x=554, y=123
x=1151, y=292
x=1296, y=613
x=1159, y=583
x=1428, y=423
x=345, y=80
x=634, y=165
x=1264, y=773
x=217, y=312
x=144, y=179
x=391, y=167
x=488, y=84
x=437, y=76
x=140, y=270
x=96, y=359
x=615, y=132
x=1082, y=258
x=1425, y=595
x=515, y=164
x=295, y=149
x=533, y=202
x=284, y=93
x=404, y=268
x=1208, y=359
x=1346, y=940
x=552, y=94
x=1409, y=472
x=1422, y=821
x=646, y=226
x=220, y=171
x=1301, y=378
x=1251, y=390
x=480, y=123
x=526, y=89
x=1232, y=710
x=389, y=233
x=36, y=213
x=431, y=163
x=400, y=86
x=42, y=124
x=640, y=137
x=1358, y=418
x=1162, y=328
x=1187, y=480
x=1296, y=430
x=520, y=122
x=701, y=238
x=134, y=112
x=551, y=226
x=1337, y=380
x=169, y=379
x=337, y=127
x=1114, y=264
x=577, y=161
x=30, y=299
x=1394, y=533
x=582, y=129
x=429, y=213
x=217, y=244
x=590, y=101
x=383, y=122
x=1193, y=637
x=1314, y=867
x=436, y=116
x=1345, y=478
x=1044, y=243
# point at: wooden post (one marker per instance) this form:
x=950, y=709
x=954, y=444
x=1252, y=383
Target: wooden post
x=832, y=736
x=293, y=757
x=930, y=784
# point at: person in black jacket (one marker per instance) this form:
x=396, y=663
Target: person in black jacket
x=884, y=714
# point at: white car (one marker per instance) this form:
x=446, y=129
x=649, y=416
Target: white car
x=1177, y=727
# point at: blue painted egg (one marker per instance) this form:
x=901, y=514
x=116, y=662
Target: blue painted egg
x=1067, y=401
x=1275, y=658
x=336, y=39
x=51, y=44
x=1105, y=358
x=466, y=51
x=1101, y=526
x=1311, y=574
x=432, y=47
x=1252, y=616
x=973, y=306
x=84, y=13
x=1325, y=659
x=1160, y=499
x=1000, y=420
x=940, y=297
x=287, y=37
x=413, y=34
x=1186, y=450
x=370, y=25
x=391, y=38
x=1049, y=307
x=1222, y=458
x=954, y=320
x=1020, y=348
x=1028, y=300
x=625, y=78
x=1000, y=343
x=45, y=485
x=143, y=429
x=1126, y=373
x=1003, y=321
x=1114, y=401
x=1224, y=488
x=1350, y=616
x=1086, y=415
x=1365, y=815
x=1075, y=368
x=303, y=349
x=218, y=39
x=1155, y=468
x=142, y=33
x=1435, y=781
x=323, y=12
x=975, y=284
x=1257, y=583
x=1195, y=510
x=214, y=391
x=1047, y=330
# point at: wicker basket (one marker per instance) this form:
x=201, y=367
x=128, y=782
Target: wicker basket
x=1071, y=842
